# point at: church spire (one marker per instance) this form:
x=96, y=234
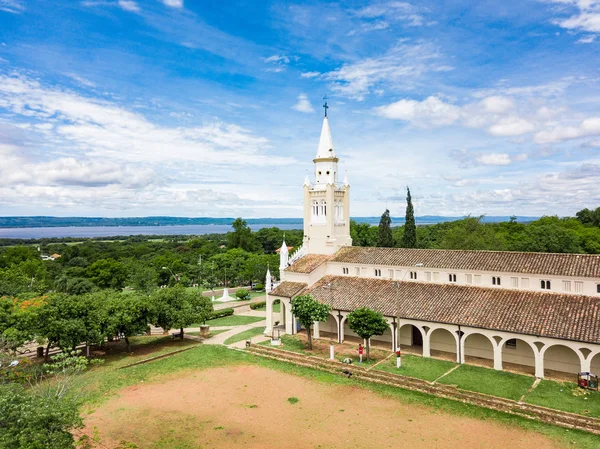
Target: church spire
x=325, y=150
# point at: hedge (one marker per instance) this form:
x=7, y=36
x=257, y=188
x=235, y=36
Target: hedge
x=258, y=305
x=221, y=313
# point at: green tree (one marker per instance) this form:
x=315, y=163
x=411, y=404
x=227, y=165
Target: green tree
x=307, y=310
x=142, y=277
x=242, y=236
x=363, y=234
x=177, y=307
x=36, y=421
x=108, y=273
x=410, y=228
x=366, y=323
x=129, y=315
x=62, y=320
x=385, y=231
x=589, y=217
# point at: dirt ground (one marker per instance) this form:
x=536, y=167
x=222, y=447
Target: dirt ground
x=247, y=406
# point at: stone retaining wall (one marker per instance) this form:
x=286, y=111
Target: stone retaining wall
x=535, y=412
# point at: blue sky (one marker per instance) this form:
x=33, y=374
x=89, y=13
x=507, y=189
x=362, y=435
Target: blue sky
x=195, y=108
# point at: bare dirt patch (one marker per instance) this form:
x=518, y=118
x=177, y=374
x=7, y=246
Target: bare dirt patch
x=247, y=406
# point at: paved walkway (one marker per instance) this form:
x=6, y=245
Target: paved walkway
x=220, y=338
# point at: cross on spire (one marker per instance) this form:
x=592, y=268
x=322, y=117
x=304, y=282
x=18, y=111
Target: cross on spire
x=325, y=106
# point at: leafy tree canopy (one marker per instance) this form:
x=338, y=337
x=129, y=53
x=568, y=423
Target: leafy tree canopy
x=307, y=310
x=366, y=323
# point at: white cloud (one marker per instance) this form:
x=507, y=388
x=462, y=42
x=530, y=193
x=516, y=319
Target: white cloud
x=80, y=79
x=129, y=5
x=278, y=63
x=494, y=113
x=494, y=159
x=398, y=68
x=309, y=74
x=431, y=111
x=303, y=105
x=468, y=158
x=97, y=128
x=497, y=104
x=588, y=127
x=408, y=14
x=277, y=58
x=173, y=3
x=12, y=6
x=90, y=154
x=511, y=126
x=16, y=170
x=587, y=39
x=586, y=17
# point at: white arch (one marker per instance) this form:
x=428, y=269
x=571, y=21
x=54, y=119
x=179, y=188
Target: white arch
x=452, y=330
x=466, y=334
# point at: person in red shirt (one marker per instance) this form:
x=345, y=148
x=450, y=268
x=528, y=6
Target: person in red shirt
x=360, y=352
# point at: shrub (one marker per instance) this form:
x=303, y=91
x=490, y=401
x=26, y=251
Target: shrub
x=221, y=313
x=258, y=287
x=242, y=294
x=258, y=305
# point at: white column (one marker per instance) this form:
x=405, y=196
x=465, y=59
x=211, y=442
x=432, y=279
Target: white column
x=316, y=330
x=269, y=326
x=586, y=364
x=497, y=356
x=462, y=349
x=288, y=319
x=426, y=344
x=539, y=365
x=458, y=340
x=342, y=321
x=393, y=336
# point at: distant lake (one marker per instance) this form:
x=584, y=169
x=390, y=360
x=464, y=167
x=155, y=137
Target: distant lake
x=112, y=231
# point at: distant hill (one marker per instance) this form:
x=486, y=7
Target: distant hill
x=53, y=222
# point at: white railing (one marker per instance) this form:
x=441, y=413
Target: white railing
x=297, y=255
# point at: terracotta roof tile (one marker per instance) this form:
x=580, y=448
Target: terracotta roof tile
x=288, y=289
x=552, y=264
x=563, y=316
x=308, y=263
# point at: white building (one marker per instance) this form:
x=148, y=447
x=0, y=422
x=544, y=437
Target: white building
x=528, y=311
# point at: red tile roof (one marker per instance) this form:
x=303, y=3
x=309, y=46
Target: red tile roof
x=288, y=289
x=551, y=264
x=308, y=263
x=563, y=316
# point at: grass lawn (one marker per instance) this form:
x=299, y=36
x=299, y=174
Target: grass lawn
x=566, y=396
x=103, y=381
x=488, y=381
x=246, y=335
x=415, y=366
x=232, y=320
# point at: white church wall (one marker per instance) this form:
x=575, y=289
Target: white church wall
x=521, y=354
x=442, y=340
x=561, y=358
x=478, y=345
x=406, y=335
x=595, y=366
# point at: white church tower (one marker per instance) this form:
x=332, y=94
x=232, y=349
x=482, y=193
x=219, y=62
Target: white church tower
x=326, y=204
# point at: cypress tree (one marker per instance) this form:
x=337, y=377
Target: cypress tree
x=385, y=230
x=410, y=228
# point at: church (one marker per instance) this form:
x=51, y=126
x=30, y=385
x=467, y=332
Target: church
x=531, y=312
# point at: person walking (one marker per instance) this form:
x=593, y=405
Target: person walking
x=360, y=352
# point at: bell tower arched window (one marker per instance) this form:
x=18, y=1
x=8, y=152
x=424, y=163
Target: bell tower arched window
x=315, y=209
